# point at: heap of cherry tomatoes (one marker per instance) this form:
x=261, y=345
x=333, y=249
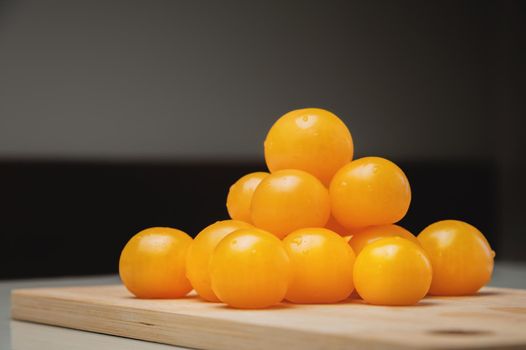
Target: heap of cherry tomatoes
x=317, y=227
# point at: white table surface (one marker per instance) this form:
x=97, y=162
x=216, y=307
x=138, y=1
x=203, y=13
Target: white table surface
x=16, y=335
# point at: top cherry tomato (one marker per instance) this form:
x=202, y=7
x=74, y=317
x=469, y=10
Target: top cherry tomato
x=310, y=139
x=288, y=200
x=152, y=264
x=200, y=251
x=369, y=191
x=461, y=256
x=240, y=196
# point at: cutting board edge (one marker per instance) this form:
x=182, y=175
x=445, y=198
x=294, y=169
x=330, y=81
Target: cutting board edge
x=22, y=310
x=290, y=339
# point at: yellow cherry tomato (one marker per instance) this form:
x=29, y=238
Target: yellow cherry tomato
x=152, y=264
x=322, y=265
x=392, y=271
x=373, y=233
x=200, y=252
x=310, y=139
x=288, y=200
x=461, y=256
x=240, y=196
x=250, y=269
x=369, y=191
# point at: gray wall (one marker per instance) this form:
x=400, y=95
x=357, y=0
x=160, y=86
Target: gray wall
x=174, y=79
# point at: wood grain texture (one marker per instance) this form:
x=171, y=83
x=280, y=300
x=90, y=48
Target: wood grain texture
x=495, y=318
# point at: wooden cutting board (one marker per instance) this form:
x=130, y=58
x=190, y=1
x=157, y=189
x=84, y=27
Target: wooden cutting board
x=495, y=318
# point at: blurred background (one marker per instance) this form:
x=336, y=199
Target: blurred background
x=119, y=115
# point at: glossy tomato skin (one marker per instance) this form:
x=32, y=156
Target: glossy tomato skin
x=152, y=264
x=250, y=269
x=369, y=191
x=200, y=252
x=288, y=200
x=322, y=265
x=310, y=139
x=392, y=271
x=240, y=196
x=461, y=256
x=373, y=233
